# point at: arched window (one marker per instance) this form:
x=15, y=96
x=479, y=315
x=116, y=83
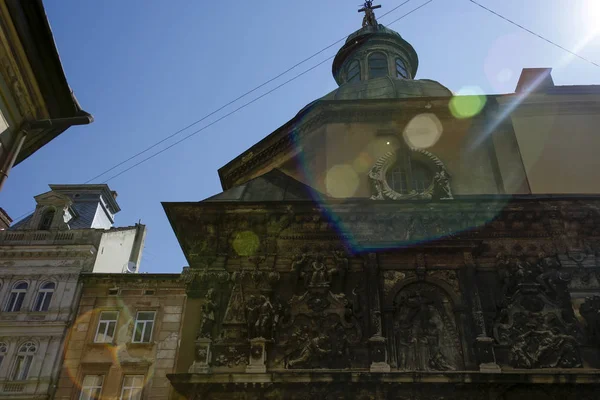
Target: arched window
x=17, y=295
x=47, y=218
x=401, y=71
x=23, y=361
x=354, y=71
x=3, y=351
x=377, y=65
x=408, y=175
x=44, y=296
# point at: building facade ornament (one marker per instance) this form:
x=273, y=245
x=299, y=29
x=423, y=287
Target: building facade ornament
x=439, y=189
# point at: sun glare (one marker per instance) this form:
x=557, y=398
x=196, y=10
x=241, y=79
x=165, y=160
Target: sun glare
x=590, y=13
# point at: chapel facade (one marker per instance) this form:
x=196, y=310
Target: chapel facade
x=391, y=242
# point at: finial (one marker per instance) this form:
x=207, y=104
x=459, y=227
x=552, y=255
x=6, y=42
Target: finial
x=369, y=19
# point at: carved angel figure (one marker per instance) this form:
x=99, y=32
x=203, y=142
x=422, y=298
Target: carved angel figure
x=441, y=186
x=314, y=349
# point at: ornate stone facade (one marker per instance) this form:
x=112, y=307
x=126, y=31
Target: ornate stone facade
x=337, y=296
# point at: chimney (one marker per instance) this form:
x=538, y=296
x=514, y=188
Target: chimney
x=535, y=80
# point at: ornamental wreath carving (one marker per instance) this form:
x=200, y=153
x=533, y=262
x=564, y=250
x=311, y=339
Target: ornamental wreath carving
x=439, y=189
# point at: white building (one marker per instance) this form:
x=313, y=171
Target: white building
x=71, y=231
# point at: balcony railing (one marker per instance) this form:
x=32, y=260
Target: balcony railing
x=13, y=387
x=16, y=238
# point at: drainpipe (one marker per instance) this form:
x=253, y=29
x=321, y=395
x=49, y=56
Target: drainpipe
x=28, y=127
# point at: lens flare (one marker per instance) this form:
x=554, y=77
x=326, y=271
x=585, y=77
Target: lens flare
x=362, y=163
x=468, y=102
x=246, y=243
x=341, y=181
x=83, y=330
x=423, y=131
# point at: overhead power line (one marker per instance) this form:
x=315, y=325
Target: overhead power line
x=533, y=33
x=231, y=102
x=250, y=102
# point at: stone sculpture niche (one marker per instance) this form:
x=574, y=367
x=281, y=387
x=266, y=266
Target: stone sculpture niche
x=426, y=336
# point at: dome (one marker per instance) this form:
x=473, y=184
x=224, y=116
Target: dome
x=388, y=88
x=360, y=46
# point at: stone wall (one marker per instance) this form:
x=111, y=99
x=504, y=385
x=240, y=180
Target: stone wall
x=497, y=292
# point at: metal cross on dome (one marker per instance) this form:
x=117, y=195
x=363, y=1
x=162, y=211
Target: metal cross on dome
x=367, y=8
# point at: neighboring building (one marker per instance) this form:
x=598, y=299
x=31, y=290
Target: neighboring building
x=389, y=242
x=556, y=126
x=125, y=338
x=5, y=219
x=36, y=102
x=41, y=257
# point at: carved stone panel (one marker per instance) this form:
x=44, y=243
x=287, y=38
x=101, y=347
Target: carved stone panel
x=426, y=334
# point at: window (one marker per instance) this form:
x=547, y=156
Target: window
x=23, y=361
x=408, y=175
x=354, y=71
x=44, y=296
x=144, y=323
x=47, y=218
x=91, y=387
x=132, y=387
x=107, y=325
x=421, y=177
x=397, y=179
x=401, y=71
x=3, y=350
x=17, y=295
x=377, y=65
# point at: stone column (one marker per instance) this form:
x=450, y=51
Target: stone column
x=484, y=345
x=377, y=342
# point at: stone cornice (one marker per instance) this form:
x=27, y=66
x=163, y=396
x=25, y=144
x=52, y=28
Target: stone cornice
x=134, y=280
x=47, y=252
x=322, y=112
x=205, y=230
x=17, y=72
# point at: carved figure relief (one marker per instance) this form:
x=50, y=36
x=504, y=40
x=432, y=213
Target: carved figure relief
x=316, y=272
x=230, y=357
x=590, y=311
x=320, y=330
x=535, y=319
x=426, y=334
x=260, y=317
x=209, y=309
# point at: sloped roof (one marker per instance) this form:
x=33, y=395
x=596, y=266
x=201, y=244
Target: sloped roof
x=275, y=185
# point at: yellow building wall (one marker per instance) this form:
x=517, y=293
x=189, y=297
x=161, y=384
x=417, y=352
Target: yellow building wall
x=560, y=145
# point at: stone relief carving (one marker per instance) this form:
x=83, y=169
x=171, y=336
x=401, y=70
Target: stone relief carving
x=590, y=311
x=426, y=336
x=381, y=190
x=209, y=308
x=446, y=275
x=261, y=318
x=315, y=271
x=230, y=357
x=535, y=318
x=319, y=331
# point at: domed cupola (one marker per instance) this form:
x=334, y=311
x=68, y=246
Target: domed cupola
x=374, y=51
x=375, y=62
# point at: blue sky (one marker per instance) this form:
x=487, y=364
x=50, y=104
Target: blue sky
x=146, y=68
